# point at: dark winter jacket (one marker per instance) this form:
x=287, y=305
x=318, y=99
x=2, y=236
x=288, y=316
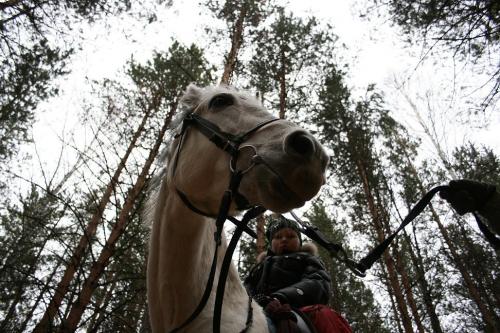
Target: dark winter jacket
x=298, y=278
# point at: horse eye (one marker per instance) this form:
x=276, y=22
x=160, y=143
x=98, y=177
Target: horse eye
x=220, y=101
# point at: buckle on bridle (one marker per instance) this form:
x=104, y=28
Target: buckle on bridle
x=232, y=161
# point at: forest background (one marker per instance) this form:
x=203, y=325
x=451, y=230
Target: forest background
x=403, y=94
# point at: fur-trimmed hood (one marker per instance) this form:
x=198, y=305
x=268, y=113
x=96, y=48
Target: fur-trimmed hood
x=306, y=247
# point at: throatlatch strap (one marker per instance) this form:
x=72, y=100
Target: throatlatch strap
x=235, y=221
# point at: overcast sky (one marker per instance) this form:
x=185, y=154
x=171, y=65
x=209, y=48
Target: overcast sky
x=374, y=52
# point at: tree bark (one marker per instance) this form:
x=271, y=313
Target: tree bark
x=282, y=83
x=236, y=39
x=388, y=260
x=90, y=230
x=417, y=261
x=409, y=292
x=91, y=283
x=261, y=239
x=400, y=267
x=397, y=318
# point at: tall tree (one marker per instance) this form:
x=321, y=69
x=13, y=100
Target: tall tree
x=400, y=147
x=169, y=75
x=97, y=269
x=89, y=233
x=241, y=18
x=351, y=129
x=289, y=52
x=481, y=164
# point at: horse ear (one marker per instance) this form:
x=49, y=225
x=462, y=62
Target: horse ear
x=192, y=96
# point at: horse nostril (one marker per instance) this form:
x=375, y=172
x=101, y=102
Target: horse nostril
x=300, y=143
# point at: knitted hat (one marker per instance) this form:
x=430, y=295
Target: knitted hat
x=278, y=223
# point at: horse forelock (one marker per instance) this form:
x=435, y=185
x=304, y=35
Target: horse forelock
x=197, y=99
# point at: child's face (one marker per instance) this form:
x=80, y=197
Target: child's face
x=285, y=240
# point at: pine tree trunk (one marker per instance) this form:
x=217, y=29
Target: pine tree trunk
x=473, y=291
x=261, y=239
x=400, y=269
x=236, y=39
x=397, y=318
x=489, y=295
x=424, y=287
x=282, y=83
x=418, y=266
x=91, y=283
x=76, y=258
x=409, y=292
x=388, y=260
x=398, y=293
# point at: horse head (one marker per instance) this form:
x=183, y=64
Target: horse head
x=283, y=165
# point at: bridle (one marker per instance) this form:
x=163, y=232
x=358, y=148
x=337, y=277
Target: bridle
x=232, y=144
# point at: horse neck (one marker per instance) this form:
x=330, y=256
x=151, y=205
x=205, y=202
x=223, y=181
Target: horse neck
x=181, y=251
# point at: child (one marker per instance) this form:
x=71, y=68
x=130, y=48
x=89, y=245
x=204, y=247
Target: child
x=289, y=273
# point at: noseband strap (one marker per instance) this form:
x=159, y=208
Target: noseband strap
x=225, y=141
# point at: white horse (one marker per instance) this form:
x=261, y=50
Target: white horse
x=182, y=241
